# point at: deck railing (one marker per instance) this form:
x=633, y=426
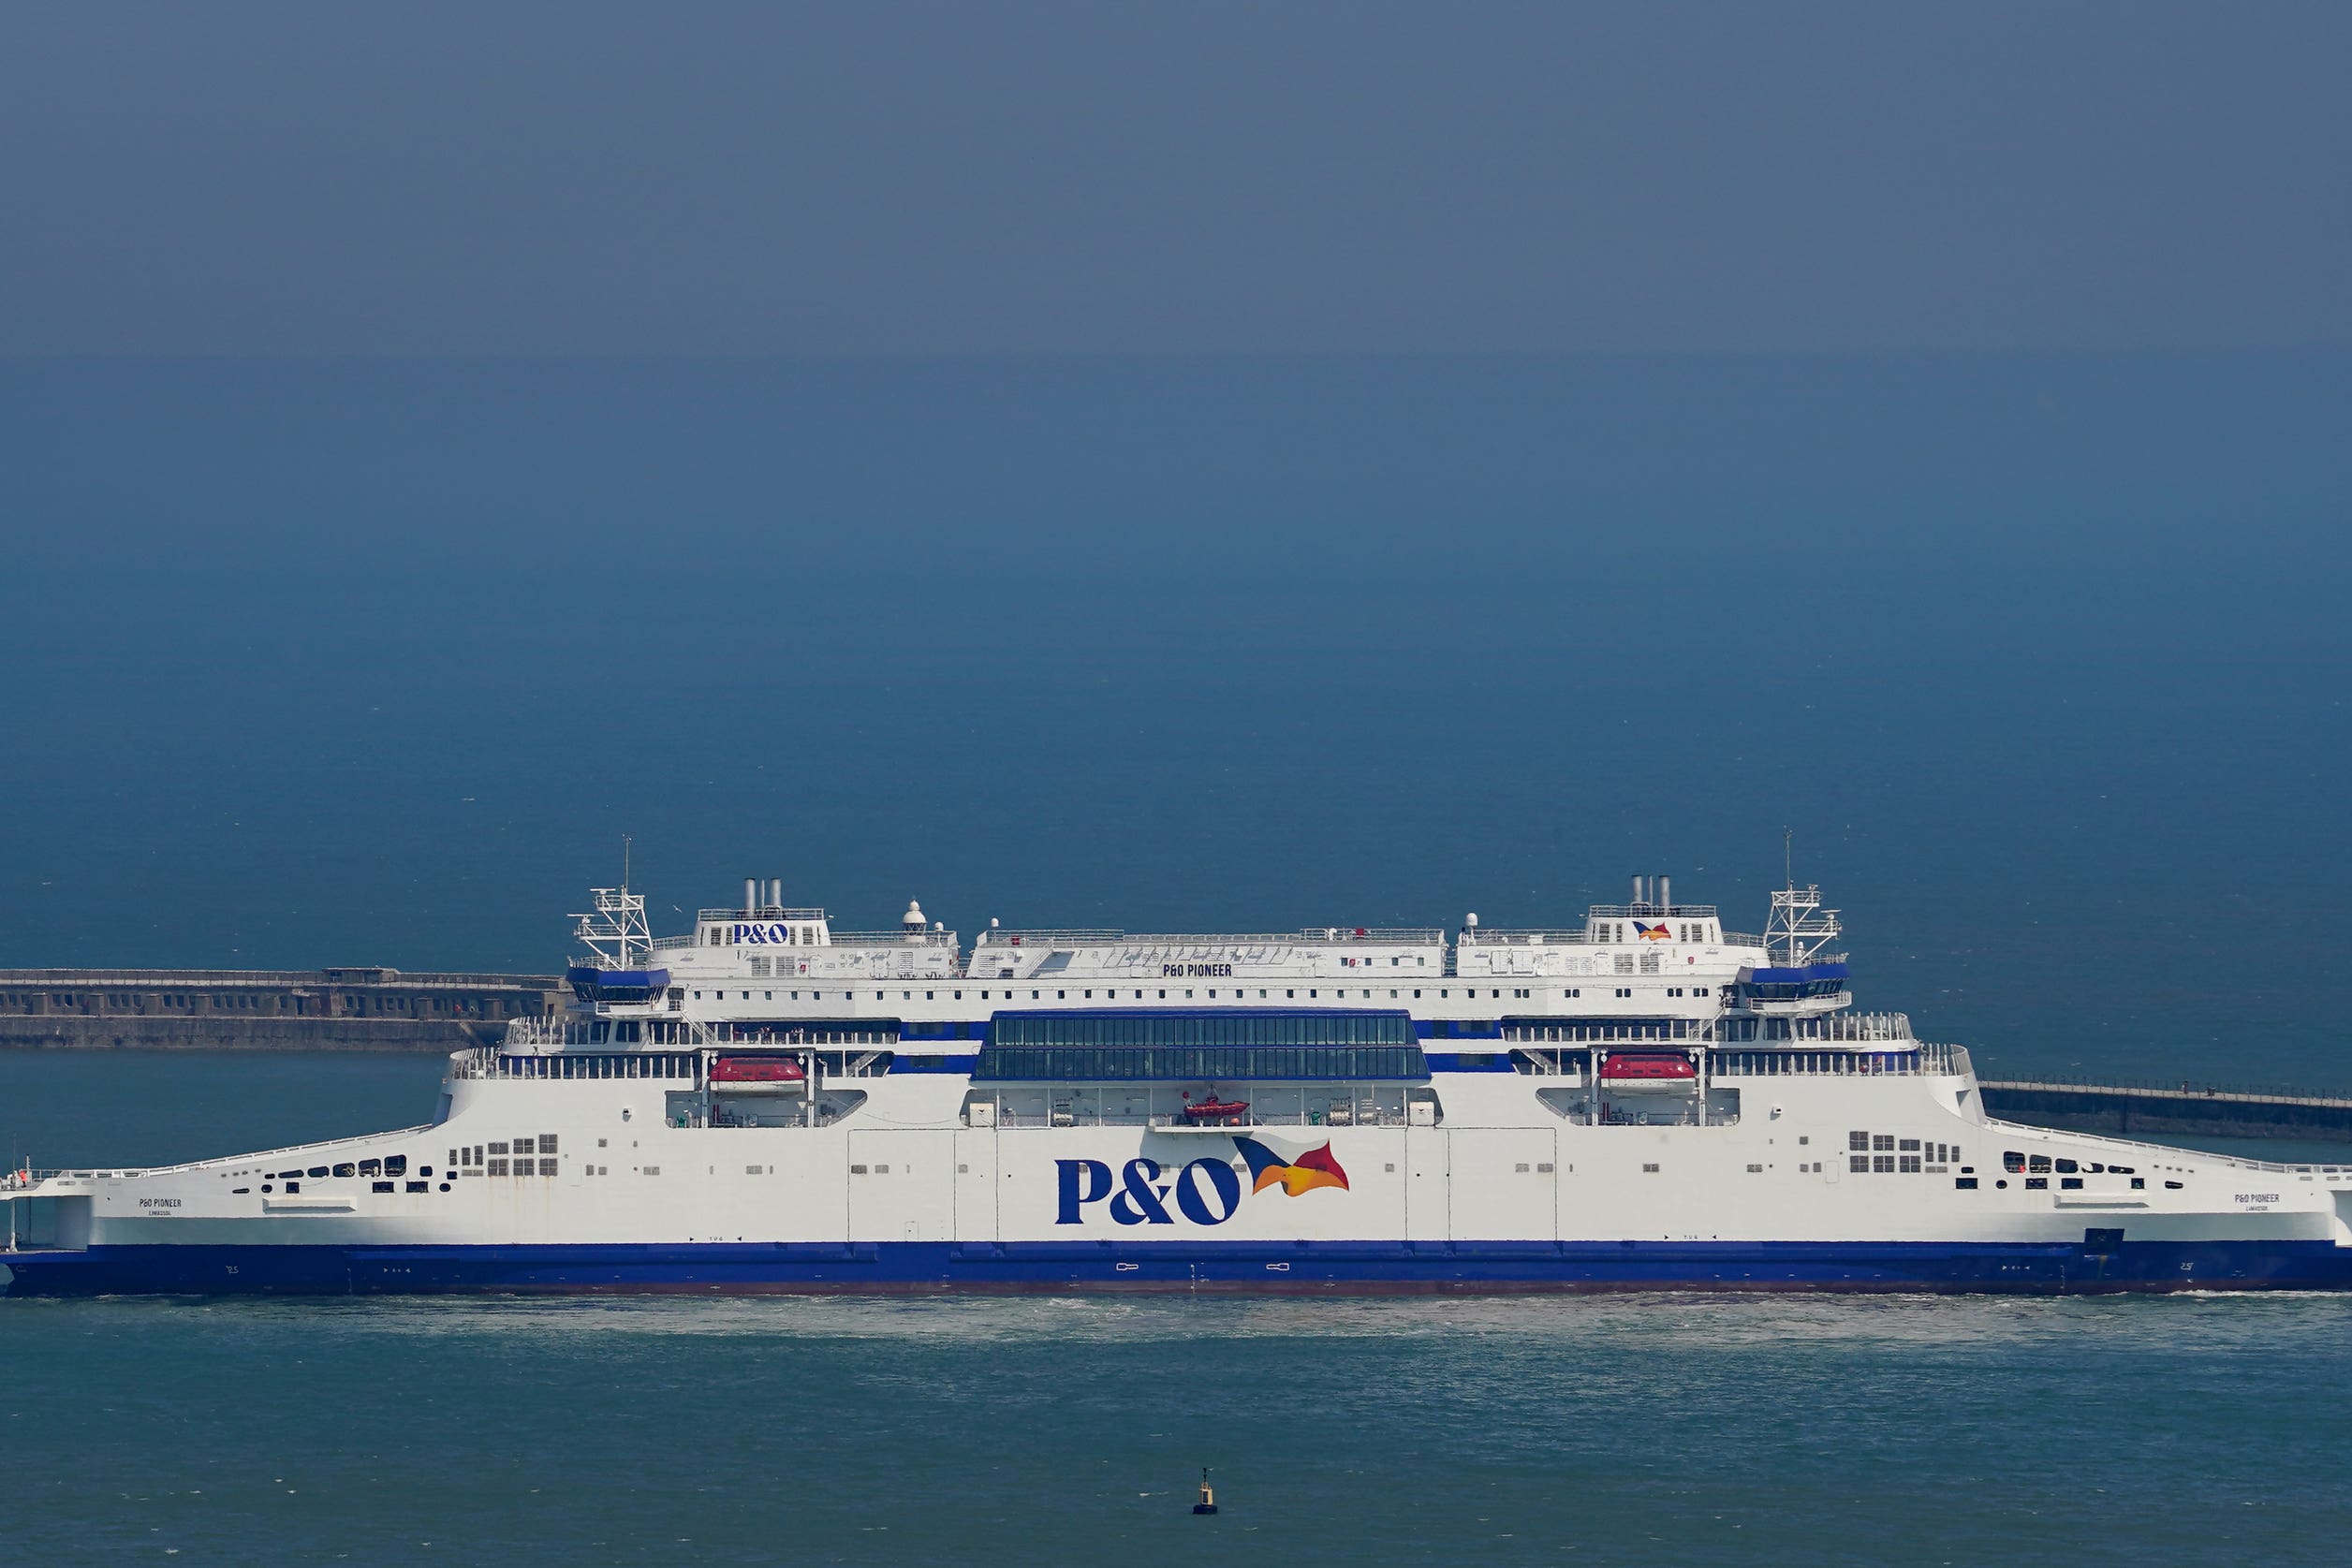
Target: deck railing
x=1921, y=1060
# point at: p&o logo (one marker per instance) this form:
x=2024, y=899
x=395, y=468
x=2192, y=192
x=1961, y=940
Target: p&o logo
x=1206, y=1192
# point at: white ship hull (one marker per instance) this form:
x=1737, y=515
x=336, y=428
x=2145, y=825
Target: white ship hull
x=1492, y=1154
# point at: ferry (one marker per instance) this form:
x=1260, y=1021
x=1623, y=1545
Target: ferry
x=1645, y=1101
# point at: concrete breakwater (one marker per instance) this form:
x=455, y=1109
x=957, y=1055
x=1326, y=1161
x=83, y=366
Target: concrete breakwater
x=2162, y=1110
x=223, y=1009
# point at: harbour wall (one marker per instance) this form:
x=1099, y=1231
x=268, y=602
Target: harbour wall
x=2138, y=1110
x=358, y=1009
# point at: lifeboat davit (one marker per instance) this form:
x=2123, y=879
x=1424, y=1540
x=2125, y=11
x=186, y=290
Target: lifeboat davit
x=1216, y=1110
x=1657, y=1074
x=757, y=1069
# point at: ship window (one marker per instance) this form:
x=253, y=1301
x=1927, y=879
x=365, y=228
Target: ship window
x=652, y=1170
x=318, y=1170
x=397, y=1165
x=1543, y=1166
x=2012, y=1161
x=497, y=1149
x=1908, y=1164
x=1882, y=1165
x=547, y=1143
x=2037, y=1183
x=1909, y=1145
x=1651, y=1169
x=547, y=1168
x=497, y=1167
x=1966, y=1184
x=2038, y=1162
x=2119, y=1170
x=525, y=1146
x=380, y=1187
x=2071, y=1184
x=2173, y=1186
x=1858, y=1163
x=421, y=1186
x=1756, y=1170
x=2065, y=1167
x=296, y=1186
x=1882, y=1142
x=1859, y=1142
x=370, y=1167
x=2139, y=1184
x=856, y=1170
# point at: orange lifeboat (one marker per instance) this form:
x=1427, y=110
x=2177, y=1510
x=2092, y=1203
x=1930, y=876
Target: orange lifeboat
x=757, y=1069
x=1654, y=1072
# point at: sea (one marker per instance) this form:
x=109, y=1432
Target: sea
x=2036, y=664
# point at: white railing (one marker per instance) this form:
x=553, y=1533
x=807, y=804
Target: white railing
x=491, y=1062
x=1653, y=911
x=1429, y=935
x=1495, y=936
x=1852, y=1026
x=765, y=912
x=1921, y=1061
x=883, y=939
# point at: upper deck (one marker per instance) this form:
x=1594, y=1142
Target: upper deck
x=766, y=965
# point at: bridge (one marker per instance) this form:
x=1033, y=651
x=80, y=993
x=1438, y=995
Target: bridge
x=2173, y=1110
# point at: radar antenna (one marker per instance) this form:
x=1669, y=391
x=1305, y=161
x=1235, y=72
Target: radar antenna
x=1798, y=926
x=616, y=933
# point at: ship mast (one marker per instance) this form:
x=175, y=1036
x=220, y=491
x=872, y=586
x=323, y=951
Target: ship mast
x=1798, y=926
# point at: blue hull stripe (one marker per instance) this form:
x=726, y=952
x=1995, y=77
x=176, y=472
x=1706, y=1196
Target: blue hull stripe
x=1365, y=1267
